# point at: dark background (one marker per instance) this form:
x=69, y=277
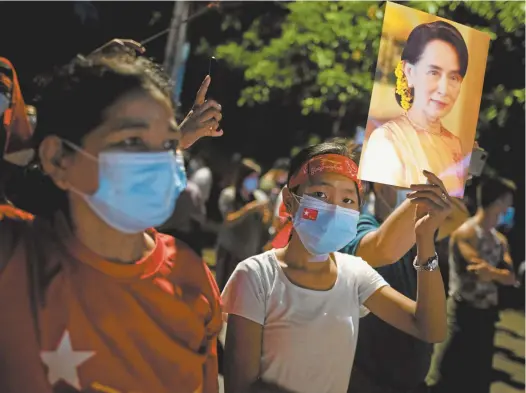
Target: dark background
x=38, y=36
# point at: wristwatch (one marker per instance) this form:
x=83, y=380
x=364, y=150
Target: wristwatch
x=428, y=266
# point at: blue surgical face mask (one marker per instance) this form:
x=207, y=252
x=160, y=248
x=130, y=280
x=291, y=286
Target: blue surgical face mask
x=506, y=219
x=250, y=184
x=137, y=190
x=324, y=228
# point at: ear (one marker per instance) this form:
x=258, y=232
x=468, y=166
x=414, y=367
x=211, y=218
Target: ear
x=290, y=201
x=409, y=71
x=54, y=160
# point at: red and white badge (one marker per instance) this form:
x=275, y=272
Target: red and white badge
x=310, y=214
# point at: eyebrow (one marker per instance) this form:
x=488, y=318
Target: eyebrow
x=126, y=123
x=437, y=68
x=322, y=183
x=133, y=123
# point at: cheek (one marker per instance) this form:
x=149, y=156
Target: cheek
x=424, y=88
x=84, y=175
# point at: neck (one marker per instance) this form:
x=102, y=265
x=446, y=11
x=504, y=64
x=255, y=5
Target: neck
x=484, y=220
x=421, y=120
x=297, y=257
x=105, y=241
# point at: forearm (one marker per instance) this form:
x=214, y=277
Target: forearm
x=237, y=216
x=389, y=243
x=503, y=276
x=430, y=312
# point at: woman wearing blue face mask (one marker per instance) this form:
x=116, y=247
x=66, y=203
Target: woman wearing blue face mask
x=101, y=301
x=293, y=312
x=246, y=214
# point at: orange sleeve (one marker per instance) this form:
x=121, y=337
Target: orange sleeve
x=210, y=372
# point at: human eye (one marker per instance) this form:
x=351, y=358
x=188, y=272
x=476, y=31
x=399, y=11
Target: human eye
x=348, y=201
x=130, y=143
x=455, y=78
x=319, y=194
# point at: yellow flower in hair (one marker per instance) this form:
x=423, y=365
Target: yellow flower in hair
x=402, y=87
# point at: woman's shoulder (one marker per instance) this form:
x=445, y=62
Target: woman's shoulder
x=390, y=129
x=352, y=265
x=264, y=265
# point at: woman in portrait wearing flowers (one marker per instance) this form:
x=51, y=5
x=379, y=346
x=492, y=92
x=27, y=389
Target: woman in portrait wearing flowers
x=428, y=81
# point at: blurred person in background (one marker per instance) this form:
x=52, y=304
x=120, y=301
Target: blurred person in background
x=275, y=179
x=387, y=359
x=247, y=217
x=272, y=183
x=201, y=175
x=99, y=299
x=17, y=125
x=293, y=311
x=189, y=216
x=479, y=261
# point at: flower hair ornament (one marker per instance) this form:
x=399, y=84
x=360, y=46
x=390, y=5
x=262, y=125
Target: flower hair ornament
x=402, y=87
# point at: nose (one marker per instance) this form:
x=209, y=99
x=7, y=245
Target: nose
x=443, y=85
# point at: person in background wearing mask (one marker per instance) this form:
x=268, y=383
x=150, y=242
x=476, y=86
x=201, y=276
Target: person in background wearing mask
x=293, y=312
x=189, y=216
x=98, y=300
x=479, y=260
x=246, y=217
x=16, y=128
x=201, y=175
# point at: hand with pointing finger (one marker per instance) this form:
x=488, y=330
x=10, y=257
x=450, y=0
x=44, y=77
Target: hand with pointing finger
x=203, y=120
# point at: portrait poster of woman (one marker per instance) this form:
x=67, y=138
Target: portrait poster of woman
x=425, y=100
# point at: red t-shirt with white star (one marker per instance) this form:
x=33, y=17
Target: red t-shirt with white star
x=74, y=322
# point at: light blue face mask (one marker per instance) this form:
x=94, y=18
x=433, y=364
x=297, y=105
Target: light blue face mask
x=324, y=228
x=250, y=184
x=136, y=190
x=506, y=219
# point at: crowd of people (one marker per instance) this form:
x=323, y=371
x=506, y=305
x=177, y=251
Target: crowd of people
x=323, y=283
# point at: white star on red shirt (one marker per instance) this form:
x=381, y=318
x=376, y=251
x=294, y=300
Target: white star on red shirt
x=63, y=362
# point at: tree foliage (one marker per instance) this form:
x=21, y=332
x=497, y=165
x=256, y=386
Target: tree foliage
x=323, y=53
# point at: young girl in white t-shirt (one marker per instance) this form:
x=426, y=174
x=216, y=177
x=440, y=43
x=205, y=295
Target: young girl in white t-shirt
x=293, y=312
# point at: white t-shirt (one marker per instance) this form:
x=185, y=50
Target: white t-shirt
x=309, y=337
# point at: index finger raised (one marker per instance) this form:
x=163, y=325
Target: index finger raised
x=201, y=93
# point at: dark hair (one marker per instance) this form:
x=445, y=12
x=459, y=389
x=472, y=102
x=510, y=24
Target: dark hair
x=493, y=188
x=310, y=152
x=72, y=103
x=427, y=32
x=282, y=164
